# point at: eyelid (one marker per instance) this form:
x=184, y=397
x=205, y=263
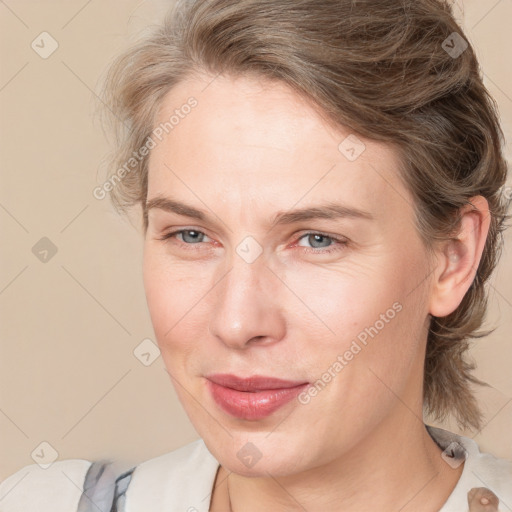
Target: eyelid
x=338, y=238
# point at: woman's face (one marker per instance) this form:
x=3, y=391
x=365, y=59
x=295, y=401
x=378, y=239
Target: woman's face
x=335, y=297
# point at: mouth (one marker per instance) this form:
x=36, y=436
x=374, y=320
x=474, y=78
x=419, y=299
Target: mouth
x=252, y=398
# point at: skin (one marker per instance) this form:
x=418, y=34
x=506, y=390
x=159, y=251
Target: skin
x=249, y=150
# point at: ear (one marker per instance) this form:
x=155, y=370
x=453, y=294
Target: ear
x=458, y=258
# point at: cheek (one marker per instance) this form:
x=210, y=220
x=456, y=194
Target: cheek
x=175, y=296
x=339, y=303
x=394, y=336
x=166, y=294
x=323, y=306
x=372, y=316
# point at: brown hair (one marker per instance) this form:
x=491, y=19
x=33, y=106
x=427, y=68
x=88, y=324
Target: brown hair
x=397, y=71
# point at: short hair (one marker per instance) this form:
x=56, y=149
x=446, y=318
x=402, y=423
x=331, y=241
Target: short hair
x=395, y=71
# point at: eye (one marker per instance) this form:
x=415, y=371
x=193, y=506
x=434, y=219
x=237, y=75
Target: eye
x=318, y=241
x=188, y=236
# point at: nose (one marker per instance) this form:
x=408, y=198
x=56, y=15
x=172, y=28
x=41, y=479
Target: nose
x=247, y=308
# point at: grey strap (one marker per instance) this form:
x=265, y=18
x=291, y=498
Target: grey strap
x=121, y=487
x=104, y=489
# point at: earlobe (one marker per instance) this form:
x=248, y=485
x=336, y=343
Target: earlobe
x=458, y=258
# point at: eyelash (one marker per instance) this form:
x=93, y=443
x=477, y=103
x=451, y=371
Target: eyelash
x=341, y=243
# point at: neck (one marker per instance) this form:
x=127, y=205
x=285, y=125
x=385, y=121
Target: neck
x=398, y=468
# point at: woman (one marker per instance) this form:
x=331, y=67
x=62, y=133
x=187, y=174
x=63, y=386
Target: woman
x=321, y=190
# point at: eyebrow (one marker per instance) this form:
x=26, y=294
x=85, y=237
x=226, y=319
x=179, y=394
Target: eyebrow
x=329, y=210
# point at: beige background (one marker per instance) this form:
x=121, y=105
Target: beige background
x=69, y=326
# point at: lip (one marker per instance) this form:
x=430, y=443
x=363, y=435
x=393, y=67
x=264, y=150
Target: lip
x=254, y=397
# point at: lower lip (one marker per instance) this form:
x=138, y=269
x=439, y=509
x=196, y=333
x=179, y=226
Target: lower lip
x=252, y=406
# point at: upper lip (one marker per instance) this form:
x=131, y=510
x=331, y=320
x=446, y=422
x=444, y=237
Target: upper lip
x=253, y=383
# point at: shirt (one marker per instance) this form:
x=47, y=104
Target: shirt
x=182, y=481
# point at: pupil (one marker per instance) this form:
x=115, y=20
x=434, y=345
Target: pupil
x=318, y=238
x=194, y=235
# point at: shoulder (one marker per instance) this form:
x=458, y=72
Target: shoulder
x=57, y=488
x=481, y=469
x=179, y=480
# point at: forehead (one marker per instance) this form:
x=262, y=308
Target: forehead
x=259, y=142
